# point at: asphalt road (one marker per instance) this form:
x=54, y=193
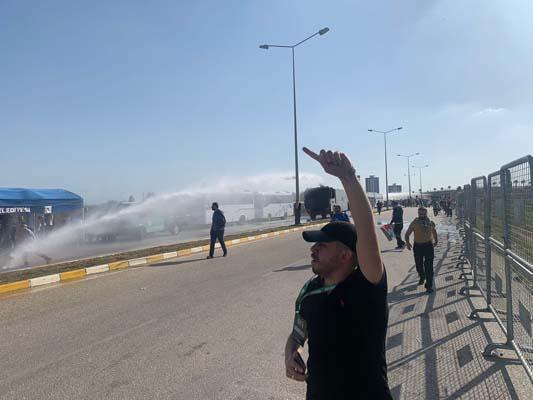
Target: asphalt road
x=192, y=329
x=188, y=329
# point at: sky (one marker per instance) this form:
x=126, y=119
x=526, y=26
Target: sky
x=114, y=98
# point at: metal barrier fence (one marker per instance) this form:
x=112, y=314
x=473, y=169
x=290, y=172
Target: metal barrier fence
x=496, y=222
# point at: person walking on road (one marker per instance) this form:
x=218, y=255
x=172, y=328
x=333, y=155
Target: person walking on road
x=436, y=208
x=339, y=215
x=397, y=222
x=379, y=206
x=451, y=207
x=425, y=241
x=217, y=231
x=342, y=312
x=448, y=208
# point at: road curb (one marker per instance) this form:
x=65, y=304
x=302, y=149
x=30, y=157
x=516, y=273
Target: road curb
x=81, y=273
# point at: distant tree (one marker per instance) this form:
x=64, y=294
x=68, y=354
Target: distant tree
x=131, y=199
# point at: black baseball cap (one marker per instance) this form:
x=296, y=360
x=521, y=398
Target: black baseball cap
x=338, y=231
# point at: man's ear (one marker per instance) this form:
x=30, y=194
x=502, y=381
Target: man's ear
x=346, y=255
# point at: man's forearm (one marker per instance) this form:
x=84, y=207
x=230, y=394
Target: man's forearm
x=359, y=205
x=367, y=246
x=291, y=346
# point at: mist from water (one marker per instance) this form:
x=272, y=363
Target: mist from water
x=67, y=238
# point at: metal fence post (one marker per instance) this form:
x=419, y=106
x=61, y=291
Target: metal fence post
x=488, y=233
x=507, y=188
x=462, y=229
x=469, y=242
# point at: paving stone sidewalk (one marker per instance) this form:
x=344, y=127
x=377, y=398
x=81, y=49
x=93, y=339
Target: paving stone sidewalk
x=433, y=350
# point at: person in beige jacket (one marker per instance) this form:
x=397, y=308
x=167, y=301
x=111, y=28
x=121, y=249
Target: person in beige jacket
x=425, y=241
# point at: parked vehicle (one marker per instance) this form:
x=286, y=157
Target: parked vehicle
x=319, y=201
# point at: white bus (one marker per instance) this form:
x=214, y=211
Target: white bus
x=246, y=206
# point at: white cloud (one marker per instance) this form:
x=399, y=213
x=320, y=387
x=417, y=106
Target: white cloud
x=489, y=111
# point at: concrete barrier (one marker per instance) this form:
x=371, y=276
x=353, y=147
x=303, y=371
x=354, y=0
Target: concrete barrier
x=97, y=269
x=44, y=280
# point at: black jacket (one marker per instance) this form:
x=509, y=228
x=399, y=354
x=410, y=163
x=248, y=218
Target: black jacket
x=219, y=221
x=397, y=215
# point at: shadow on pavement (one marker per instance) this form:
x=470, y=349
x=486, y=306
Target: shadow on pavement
x=294, y=268
x=175, y=263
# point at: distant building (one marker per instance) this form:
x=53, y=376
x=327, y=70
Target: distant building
x=394, y=188
x=372, y=184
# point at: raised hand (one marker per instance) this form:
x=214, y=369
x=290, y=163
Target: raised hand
x=334, y=163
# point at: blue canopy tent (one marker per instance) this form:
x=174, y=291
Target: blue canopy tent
x=16, y=200
x=41, y=209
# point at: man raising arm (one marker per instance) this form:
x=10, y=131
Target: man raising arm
x=342, y=312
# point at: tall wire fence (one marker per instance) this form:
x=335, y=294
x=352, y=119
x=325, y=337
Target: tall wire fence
x=496, y=221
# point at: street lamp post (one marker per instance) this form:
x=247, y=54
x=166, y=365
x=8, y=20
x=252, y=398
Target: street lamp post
x=413, y=174
x=420, y=175
x=408, y=169
x=386, y=168
x=323, y=31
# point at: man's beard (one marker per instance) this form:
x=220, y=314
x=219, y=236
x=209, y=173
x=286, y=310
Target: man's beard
x=314, y=269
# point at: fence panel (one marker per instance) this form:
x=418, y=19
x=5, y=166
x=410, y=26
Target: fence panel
x=518, y=240
x=498, y=225
x=519, y=209
x=522, y=286
x=497, y=294
x=478, y=189
x=496, y=206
